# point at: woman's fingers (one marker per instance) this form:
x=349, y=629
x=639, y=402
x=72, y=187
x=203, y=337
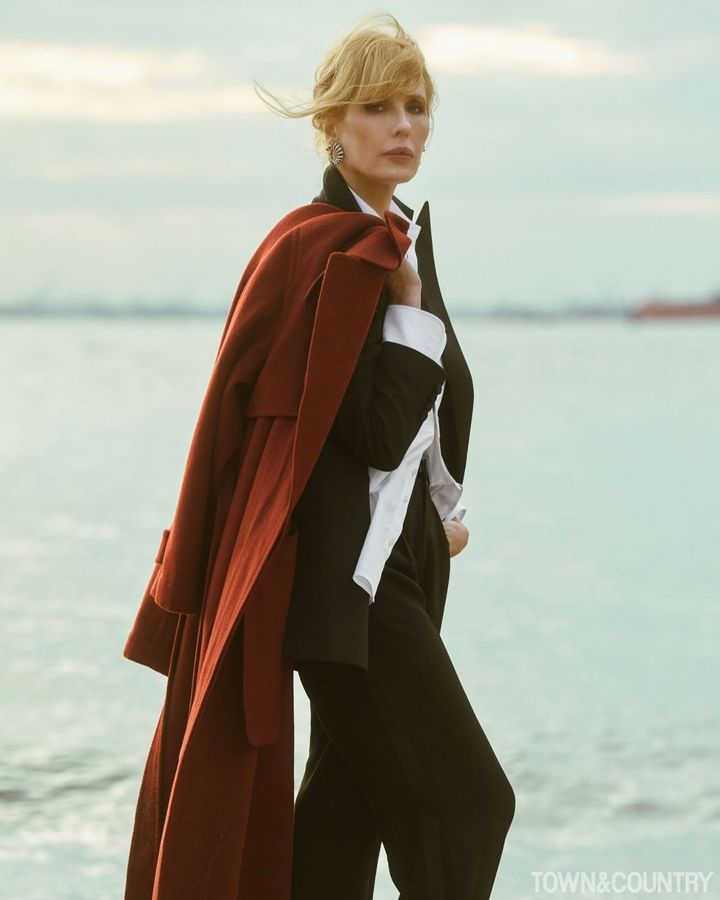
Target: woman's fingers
x=457, y=535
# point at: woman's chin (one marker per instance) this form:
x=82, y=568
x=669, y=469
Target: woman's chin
x=399, y=169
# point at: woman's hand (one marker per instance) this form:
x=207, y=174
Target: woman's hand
x=404, y=285
x=457, y=535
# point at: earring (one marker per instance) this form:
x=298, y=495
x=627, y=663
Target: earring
x=335, y=152
x=423, y=149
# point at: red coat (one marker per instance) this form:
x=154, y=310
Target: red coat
x=214, y=816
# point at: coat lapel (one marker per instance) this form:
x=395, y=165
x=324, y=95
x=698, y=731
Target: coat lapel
x=457, y=402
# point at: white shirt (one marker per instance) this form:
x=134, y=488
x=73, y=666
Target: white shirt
x=390, y=491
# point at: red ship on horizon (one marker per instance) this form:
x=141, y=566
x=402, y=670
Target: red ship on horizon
x=659, y=309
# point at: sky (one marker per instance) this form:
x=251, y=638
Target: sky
x=574, y=158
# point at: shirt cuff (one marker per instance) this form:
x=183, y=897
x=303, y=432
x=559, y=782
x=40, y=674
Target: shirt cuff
x=457, y=513
x=416, y=328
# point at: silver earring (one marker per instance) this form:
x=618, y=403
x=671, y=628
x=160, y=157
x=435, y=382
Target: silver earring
x=335, y=152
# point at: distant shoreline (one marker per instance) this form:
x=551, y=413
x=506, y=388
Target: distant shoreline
x=174, y=311
x=636, y=312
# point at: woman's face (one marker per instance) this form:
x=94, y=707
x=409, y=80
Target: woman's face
x=369, y=130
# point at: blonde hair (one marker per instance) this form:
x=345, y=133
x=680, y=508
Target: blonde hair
x=366, y=66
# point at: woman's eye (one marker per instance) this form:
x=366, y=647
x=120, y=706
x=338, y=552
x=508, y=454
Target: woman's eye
x=414, y=107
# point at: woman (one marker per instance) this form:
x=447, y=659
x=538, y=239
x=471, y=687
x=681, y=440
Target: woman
x=397, y=755
x=318, y=511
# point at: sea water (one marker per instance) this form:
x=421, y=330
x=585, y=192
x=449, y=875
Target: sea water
x=582, y=617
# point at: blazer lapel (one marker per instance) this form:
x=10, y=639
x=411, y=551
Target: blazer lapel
x=457, y=402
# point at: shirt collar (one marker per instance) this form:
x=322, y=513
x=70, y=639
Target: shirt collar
x=413, y=228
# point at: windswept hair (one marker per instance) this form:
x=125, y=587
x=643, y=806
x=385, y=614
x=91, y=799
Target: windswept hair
x=368, y=65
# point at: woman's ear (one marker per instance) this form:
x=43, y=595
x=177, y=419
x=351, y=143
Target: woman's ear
x=329, y=130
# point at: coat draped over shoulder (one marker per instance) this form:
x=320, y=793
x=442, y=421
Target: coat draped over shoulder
x=214, y=817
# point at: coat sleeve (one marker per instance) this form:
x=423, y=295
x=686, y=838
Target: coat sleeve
x=177, y=582
x=390, y=393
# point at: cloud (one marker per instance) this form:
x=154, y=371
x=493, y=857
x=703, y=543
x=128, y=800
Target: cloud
x=583, y=206
x=531, y=48
x=88, y=169
x=676, y=203
x=97, y=83
x=80, y=225
x=67, y=82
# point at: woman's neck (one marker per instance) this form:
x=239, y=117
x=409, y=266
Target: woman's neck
x=377, y=194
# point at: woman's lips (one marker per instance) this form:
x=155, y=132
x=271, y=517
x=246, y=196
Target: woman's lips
x=399, y=155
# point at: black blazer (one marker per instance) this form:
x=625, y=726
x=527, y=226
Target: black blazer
x=389, y=395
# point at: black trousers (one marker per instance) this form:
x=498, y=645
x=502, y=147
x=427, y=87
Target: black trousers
x=397, y=755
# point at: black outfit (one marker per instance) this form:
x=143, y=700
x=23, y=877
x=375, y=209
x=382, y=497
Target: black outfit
x=397, y=755
x=328, y=614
